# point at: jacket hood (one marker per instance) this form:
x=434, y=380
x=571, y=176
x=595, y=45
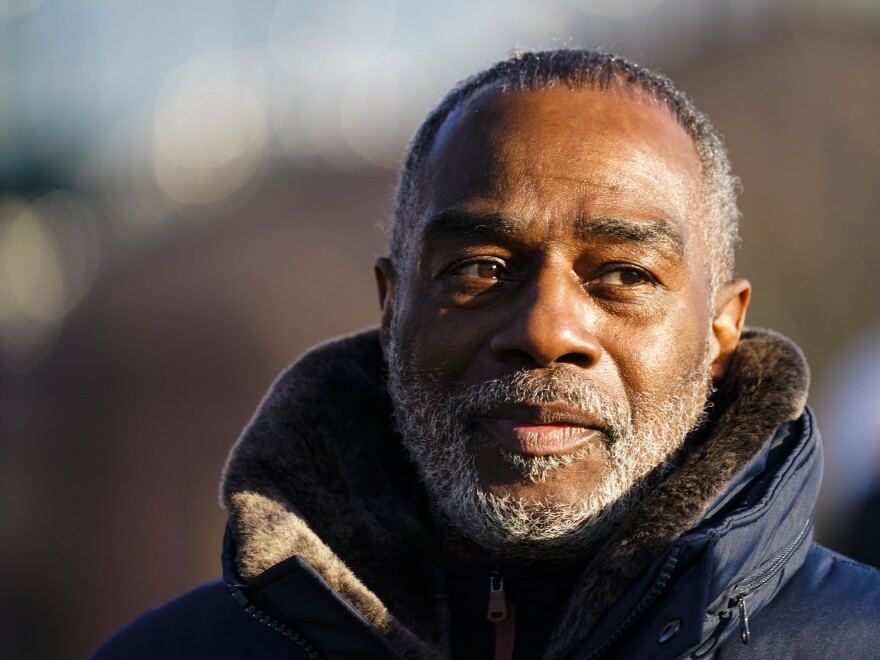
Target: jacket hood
x=319, y=476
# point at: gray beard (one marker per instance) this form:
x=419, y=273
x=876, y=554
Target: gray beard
x=438, y=432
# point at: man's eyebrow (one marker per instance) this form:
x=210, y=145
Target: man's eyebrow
x=653, y=233
x=464, y=223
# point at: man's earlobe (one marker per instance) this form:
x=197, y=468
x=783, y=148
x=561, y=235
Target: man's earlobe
x=731, y=302
x=386, y=280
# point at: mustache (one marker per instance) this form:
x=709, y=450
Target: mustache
x=528, y=388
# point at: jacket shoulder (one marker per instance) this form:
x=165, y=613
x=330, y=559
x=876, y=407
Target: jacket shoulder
x=203, y=623
x=828, y=609
x=831, y=586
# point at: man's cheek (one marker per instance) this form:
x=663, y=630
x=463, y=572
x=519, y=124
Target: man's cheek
x=434, y=342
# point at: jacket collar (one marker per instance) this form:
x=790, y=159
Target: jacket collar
x=319, y=474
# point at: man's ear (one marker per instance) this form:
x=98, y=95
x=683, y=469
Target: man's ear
x=386, y=281
x=731, y=302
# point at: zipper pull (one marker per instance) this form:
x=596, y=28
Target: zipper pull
x=497, y=598
x=744, y=632
x=503, y=614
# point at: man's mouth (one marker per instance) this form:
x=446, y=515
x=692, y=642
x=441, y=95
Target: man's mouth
x=541, y=431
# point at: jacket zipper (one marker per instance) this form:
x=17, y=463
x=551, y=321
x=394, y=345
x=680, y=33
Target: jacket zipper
x=751, y=583
x=262, y=617
x=635, y=614
x=497, y=597
x=502, y=614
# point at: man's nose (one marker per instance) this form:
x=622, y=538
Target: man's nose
x=552, y=324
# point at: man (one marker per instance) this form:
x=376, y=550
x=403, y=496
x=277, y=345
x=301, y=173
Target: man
x=560, y=442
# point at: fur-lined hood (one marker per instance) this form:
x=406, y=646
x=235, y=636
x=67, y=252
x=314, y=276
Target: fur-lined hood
x=319, y=474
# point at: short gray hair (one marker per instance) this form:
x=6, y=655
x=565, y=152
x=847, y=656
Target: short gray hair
x=581, y=68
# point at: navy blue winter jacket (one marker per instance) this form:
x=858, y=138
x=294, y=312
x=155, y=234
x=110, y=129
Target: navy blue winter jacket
x=329, y=552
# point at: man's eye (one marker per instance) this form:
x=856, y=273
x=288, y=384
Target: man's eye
x=484, y=270
x=624, y=277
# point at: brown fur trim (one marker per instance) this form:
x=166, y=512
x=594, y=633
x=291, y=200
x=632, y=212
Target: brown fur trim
x=319, y=473
x=278, y=531
x=268, y=543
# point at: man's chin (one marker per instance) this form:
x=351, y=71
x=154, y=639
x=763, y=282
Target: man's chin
x=564, y=479
x=531, y=524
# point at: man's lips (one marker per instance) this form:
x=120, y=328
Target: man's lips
x=540, y=431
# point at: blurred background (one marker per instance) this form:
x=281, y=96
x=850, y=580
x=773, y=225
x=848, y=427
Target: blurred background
x=193, y=193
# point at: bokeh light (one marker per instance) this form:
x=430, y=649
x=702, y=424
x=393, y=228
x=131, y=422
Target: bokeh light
x=323, y=40
x=306, y=122
x=77, y=242
x=210, y=128
x=30, y=269
x=378, y=130
x=49, y=255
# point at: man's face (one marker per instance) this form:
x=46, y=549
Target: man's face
x=551, y=339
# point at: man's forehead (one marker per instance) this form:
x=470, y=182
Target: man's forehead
x=603, y=152
x=499, y=112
